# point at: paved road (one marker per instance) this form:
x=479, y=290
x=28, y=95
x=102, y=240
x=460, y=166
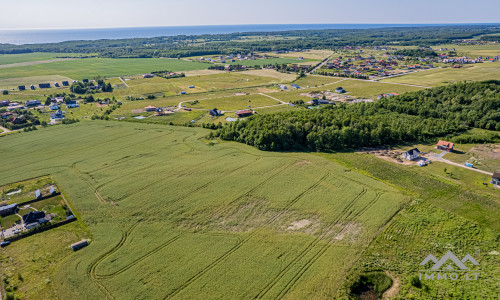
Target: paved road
x=439, y=157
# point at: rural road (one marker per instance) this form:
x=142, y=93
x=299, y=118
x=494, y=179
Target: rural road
x=320, y=65
x=123, y=82
x=4, y=130
x=438, y=157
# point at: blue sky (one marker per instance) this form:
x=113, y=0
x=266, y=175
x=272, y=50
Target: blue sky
x=132, y=13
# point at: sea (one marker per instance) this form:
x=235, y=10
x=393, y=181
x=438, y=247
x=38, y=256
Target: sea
x=39, y=36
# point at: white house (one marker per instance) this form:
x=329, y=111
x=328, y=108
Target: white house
x=411, y=154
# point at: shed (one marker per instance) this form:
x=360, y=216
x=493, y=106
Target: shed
x=79, y=245
x=8, y=209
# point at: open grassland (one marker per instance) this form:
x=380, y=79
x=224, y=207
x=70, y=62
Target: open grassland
x=354, y=87
x=107, y=67
x=231, y=103
x=444, y=216
x=6, y=59
x=203, y=83
x=171, y=216
x=442, y=76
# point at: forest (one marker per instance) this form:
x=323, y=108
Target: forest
x=412, y=117
x=184, y=46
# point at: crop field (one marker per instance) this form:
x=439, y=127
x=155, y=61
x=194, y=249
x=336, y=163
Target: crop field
x=442, y=76
x=170, y=215
x=107, y=67
x=6, y=59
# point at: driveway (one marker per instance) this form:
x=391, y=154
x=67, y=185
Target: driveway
x=439, y=157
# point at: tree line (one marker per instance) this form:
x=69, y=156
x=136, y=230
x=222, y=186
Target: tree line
x=416, y=116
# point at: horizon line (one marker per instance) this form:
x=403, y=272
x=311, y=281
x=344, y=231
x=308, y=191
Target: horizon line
x=255, y=24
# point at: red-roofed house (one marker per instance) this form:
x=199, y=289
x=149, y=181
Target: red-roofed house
x=445, y=146
x=244, y=113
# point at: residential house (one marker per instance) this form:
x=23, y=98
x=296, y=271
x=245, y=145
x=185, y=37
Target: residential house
x=339, y=90
x=33, y=218
x=32, y=103
x=44, y=85
x=56, y=84
x=21, y=88
x=54, y=107
x=295, y=86
x=445, y=146
x=8, y=209
x=57, y=99
x=65, y=83
x=215, y=113
x=411, y=154
x=244, y=113
x=58, y=115
x=147, y=76
x=4, y=103
x=72, y=104
x=495, y=179
x=150, y=108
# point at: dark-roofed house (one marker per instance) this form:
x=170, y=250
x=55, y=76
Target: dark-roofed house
x=71, y=104
x=339, y=90
x=32, y=103
x=445, y=146
x=58, y=115
x=411, y=154
x=495, y=179
x=85, y=81
x=244, y=113
x=215, y=113
x=44, y=85
x=34, y=217
x=8, y=209
x=4, y=103
x=65, y=83
x=21, y=88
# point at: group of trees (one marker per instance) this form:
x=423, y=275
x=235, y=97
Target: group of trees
x=220, y=44
x=420, y=52
x=79, y=87
x=416, y=116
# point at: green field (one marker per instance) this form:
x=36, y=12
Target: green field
x=6, y=59
x=169, y=215
x=441, y=76
x=107, y=67
x=231, y=103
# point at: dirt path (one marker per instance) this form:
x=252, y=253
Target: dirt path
x=394, y=289
x=32, y=63
x=439, y=157
x=4, y=130
x=123, y=82
x=280, y=101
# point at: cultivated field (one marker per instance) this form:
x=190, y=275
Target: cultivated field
x=107, y=67
x=170, y=215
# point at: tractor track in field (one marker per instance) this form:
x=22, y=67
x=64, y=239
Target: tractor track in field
x=162, y=179
x=243, y=241
x=138, y=260
x=323, y=249
x=308, y=249
x=89, y=184
x=254, y=188
x=93, y=265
